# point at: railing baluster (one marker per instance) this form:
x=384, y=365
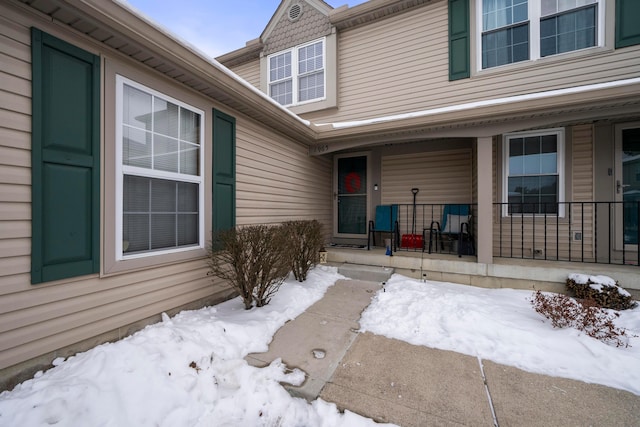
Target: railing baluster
x=581, y=230
x=558, y=232
x=570, y=211
x=545, y=231
x=624, y=225
x=611, y=230
x=595, y=232
x=533, y=233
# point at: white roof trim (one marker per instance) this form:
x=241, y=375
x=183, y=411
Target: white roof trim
x=208, y=59
x=485, y=103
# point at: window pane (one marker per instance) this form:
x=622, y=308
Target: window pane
x=569, y=31
x=165, y=118
x=163, y=195
x=163, y=231
x=189, y=158
x=548, y=7
x=189, y=126
x=187, y=197
x=280, y=67
x=282, y=92
x=311, y=87
x=505, y=46
x=501, y=13
x=187, y=229
x=136, y=147
x=165, y=154
x=310, y=58
x=135, y=233
x=136, y=108
x=136, y=194
x=135, y=224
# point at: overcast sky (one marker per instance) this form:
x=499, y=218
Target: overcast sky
x=215, y=26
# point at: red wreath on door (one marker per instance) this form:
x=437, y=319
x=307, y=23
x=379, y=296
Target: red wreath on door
x=352, y=182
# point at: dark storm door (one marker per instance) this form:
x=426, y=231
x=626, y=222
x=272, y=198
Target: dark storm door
x=351, y=196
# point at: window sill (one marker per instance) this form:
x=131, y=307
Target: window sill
x=312, y=106
x=143, y=263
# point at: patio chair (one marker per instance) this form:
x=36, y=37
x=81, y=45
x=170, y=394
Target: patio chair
x=455, y=227
x=386, y=221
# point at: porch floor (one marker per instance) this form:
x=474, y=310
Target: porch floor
x=513, y=273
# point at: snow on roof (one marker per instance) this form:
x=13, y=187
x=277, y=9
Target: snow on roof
x=484, y=103
x=194, y=49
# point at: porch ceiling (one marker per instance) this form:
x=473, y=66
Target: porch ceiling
x=112, y=24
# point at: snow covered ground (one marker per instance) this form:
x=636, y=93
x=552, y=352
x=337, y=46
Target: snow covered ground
x=190, y=370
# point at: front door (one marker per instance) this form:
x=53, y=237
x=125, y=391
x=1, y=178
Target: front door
x=351, y=196
x=628, y=183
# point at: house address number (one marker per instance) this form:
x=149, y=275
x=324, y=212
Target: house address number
x=318, y=149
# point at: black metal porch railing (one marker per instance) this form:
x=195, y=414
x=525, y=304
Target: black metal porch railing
x=586, y=232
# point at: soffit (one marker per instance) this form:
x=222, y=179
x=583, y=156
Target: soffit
x=112, y=24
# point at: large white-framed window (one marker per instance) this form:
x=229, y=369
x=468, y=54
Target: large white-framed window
x=297, y=75
x=513, y=31
x=533, y=177
x=159, y=173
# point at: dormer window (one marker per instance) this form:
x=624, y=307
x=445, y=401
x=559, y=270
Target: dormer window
x=297, y=75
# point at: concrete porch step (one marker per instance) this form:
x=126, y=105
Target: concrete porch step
x=366, y=273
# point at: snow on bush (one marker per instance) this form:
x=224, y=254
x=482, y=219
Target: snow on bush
x=602, y=290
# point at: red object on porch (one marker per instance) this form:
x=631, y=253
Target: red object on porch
x=412, y=241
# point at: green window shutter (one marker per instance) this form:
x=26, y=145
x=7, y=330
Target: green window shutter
x=224, y=171
x=459, y=36
x=65, y=160
x=627, y=23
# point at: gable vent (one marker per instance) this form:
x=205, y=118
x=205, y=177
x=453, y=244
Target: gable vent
x=295, y=11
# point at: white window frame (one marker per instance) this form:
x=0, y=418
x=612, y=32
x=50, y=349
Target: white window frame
x=535, y=12
x=560, y=167
x=122, y=170
x=295, y=76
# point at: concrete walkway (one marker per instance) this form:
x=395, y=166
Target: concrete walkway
x=396, y=382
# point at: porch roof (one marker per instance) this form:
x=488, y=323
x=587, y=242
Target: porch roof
x=486, y=118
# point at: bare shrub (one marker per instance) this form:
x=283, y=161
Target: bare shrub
x=252, y=260
x=585, y=316
x=602, y=290
x=304, y=241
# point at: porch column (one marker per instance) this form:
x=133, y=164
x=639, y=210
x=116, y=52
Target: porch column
x=484, y=177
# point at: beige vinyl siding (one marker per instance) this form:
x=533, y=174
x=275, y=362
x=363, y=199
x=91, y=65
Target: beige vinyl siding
x=250, y=71
x=15, y=174
x=277, y=180
x=518, y=236
x=441, y=176
x=405, y=58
